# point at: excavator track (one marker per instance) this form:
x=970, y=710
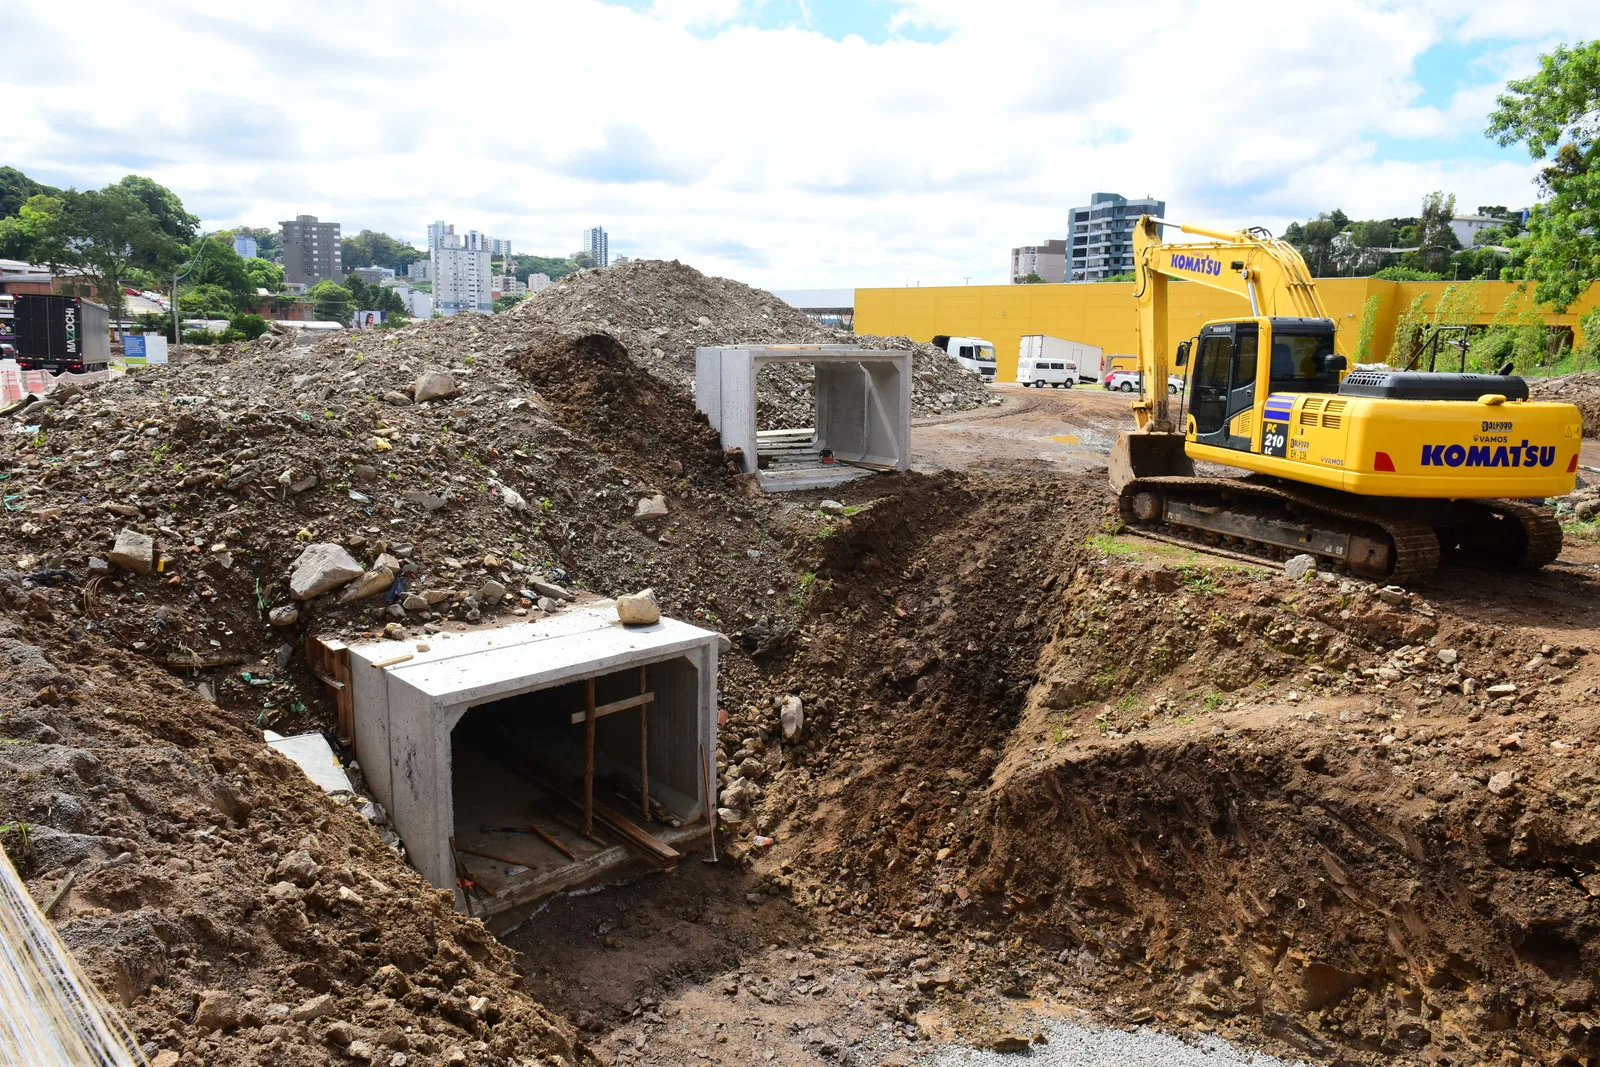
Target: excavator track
x=1505, y=535
x=1275, y=521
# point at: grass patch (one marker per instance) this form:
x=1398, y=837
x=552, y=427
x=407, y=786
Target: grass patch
x=1109, y=545
x=1582, y=531
x=1199, y=580
x=1213, y=700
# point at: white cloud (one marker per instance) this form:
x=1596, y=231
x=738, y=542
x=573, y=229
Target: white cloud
x=778, y=156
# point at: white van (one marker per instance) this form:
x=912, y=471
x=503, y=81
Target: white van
x=1043, y=371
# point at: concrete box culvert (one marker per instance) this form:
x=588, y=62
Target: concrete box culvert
x=478, y=748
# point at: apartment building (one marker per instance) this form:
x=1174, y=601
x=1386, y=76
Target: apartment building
x=597, y=244
x=462, y=275
x=1048, y=261
x=1102, y=235
x=310, y=250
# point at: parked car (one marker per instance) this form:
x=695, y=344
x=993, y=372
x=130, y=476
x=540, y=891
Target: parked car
x=1127, y=381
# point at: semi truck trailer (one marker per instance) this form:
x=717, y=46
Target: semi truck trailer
x=61, y=334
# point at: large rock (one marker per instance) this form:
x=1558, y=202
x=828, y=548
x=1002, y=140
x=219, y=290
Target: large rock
x=1298, y=567
x=218, y=1010
x=134, y=552
x=545, y=587
x=320, y=568
x=370, y=583
x=792, y=714
x=640, y=609
x=434, y=385
x=651, y=507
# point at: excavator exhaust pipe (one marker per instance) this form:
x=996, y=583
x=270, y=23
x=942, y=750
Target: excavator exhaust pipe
x=1148, y=454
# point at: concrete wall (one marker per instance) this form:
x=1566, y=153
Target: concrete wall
x=1103, y=313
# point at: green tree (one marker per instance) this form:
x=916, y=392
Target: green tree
x=1435, y=239
x=503, y=304
x=251, y=326
x=1126, y=276
x=163, y=205
x=371, y=249
x=16, y=188
x=584, y=260
x=1556, y=113
x=206, y=301
x=1030, y=278
x=106, y=235
x=1369, y=328
x=216, y=263
x=267, y=241
x=551, y=267
x=332, y=302
x=264, y=275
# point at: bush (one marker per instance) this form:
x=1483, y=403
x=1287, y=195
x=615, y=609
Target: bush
x=199, y=337
x=248, y=327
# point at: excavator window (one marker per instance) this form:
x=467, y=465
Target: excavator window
x=1301, y=363
x=1224, y=382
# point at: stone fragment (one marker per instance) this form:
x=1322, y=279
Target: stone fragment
x=397, y=398
x=1448, y=656
x=651, y=507
x=287, y=615
x=370, y=583
x=134, y=552
x=831, y=507
x=313, y=1009
x=545, y=587
x=434, y=385
x=639, y=609
x=428, y=501
x=297, y=867
x=1504, y=689
x=415, y=602
x=1392, y=595
x=1502, y=784
x=319, y=568
x=1297, y=567
x=791, y=713
x=98, y=565
x=218, y=1010
x=491, y=592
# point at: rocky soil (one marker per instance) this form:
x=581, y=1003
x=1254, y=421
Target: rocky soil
x=1582, y=389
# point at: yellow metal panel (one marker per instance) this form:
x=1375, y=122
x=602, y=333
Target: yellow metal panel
x=1103, y=314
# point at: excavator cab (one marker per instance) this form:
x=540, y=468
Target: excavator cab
x=1232, y=359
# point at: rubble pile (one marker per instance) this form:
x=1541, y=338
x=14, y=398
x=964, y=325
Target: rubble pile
x=394, y=483
x=661, y=311
x=1582, y=389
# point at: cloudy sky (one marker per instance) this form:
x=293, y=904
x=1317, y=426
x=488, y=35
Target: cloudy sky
x=788, y=143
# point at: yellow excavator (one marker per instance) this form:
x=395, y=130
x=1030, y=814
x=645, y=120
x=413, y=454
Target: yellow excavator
x=1376, y=472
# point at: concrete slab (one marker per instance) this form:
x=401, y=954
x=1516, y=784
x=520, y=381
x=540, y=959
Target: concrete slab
x=316, y=757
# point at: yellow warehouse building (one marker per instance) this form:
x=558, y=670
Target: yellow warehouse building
x=1102, y=313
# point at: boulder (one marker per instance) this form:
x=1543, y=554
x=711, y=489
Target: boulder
x=371, y=583
x=134, y=552
x=319, y=568
x=218, y=1010
x=287, y=615
x=1502, y=784
x=433, y=385
x=1297, y=567
x=491, y=592
x=831, y=507
x=640, y=609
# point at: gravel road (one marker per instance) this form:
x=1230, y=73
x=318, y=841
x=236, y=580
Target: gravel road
x=1079, y=1046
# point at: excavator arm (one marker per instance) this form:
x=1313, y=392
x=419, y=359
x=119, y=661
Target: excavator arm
x=1263, y=270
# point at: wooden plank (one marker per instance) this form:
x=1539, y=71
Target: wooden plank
x=588, y=763
x=395, y=659
x=635, y=834
x=644, y=744
x=615, y=706
x=492, y=856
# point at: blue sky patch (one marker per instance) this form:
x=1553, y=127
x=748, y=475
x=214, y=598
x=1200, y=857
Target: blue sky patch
x=834, y=19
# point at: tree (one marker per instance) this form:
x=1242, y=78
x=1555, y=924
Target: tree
x=264, y=275
x=16, y=188
x=1127, y=276
x=251, y=326
x=163, y=205
x=503, y=304
x=206, y=301
x=584, y=260
x=332, y=302
x=374, y=297
x=1030, y=278
x=106, y=235
x=216, y=263
x=1434, y=238
x=1557, y=112
x=371, y=249
x=267, y=246
x=1494, y=211
x=551, y=267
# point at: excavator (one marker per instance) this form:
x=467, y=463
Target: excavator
x=1379, y=473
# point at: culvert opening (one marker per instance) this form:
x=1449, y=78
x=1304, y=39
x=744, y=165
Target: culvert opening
x=514, y=761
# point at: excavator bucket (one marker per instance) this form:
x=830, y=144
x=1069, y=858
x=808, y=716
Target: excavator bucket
x=1147, y=454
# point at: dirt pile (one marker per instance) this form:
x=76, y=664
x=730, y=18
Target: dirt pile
x=228, y=907
x=662, y=311
x=1582, y=389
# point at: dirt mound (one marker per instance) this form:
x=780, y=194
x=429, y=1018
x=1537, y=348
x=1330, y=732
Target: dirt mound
x=233, y=911
x=662, y=311
x=1582, y=389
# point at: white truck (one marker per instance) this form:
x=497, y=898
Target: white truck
x=1086, y=360
x=973, y=353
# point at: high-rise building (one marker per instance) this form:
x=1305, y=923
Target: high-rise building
x=417, y=270
x=310, y=250
x=244, y=246
x=1102, y=235
x=462, y=278
x=1048, y=261
x=597, y=244
x=437, y=232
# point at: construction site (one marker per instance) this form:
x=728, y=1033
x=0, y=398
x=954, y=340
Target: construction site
x=652, y=675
